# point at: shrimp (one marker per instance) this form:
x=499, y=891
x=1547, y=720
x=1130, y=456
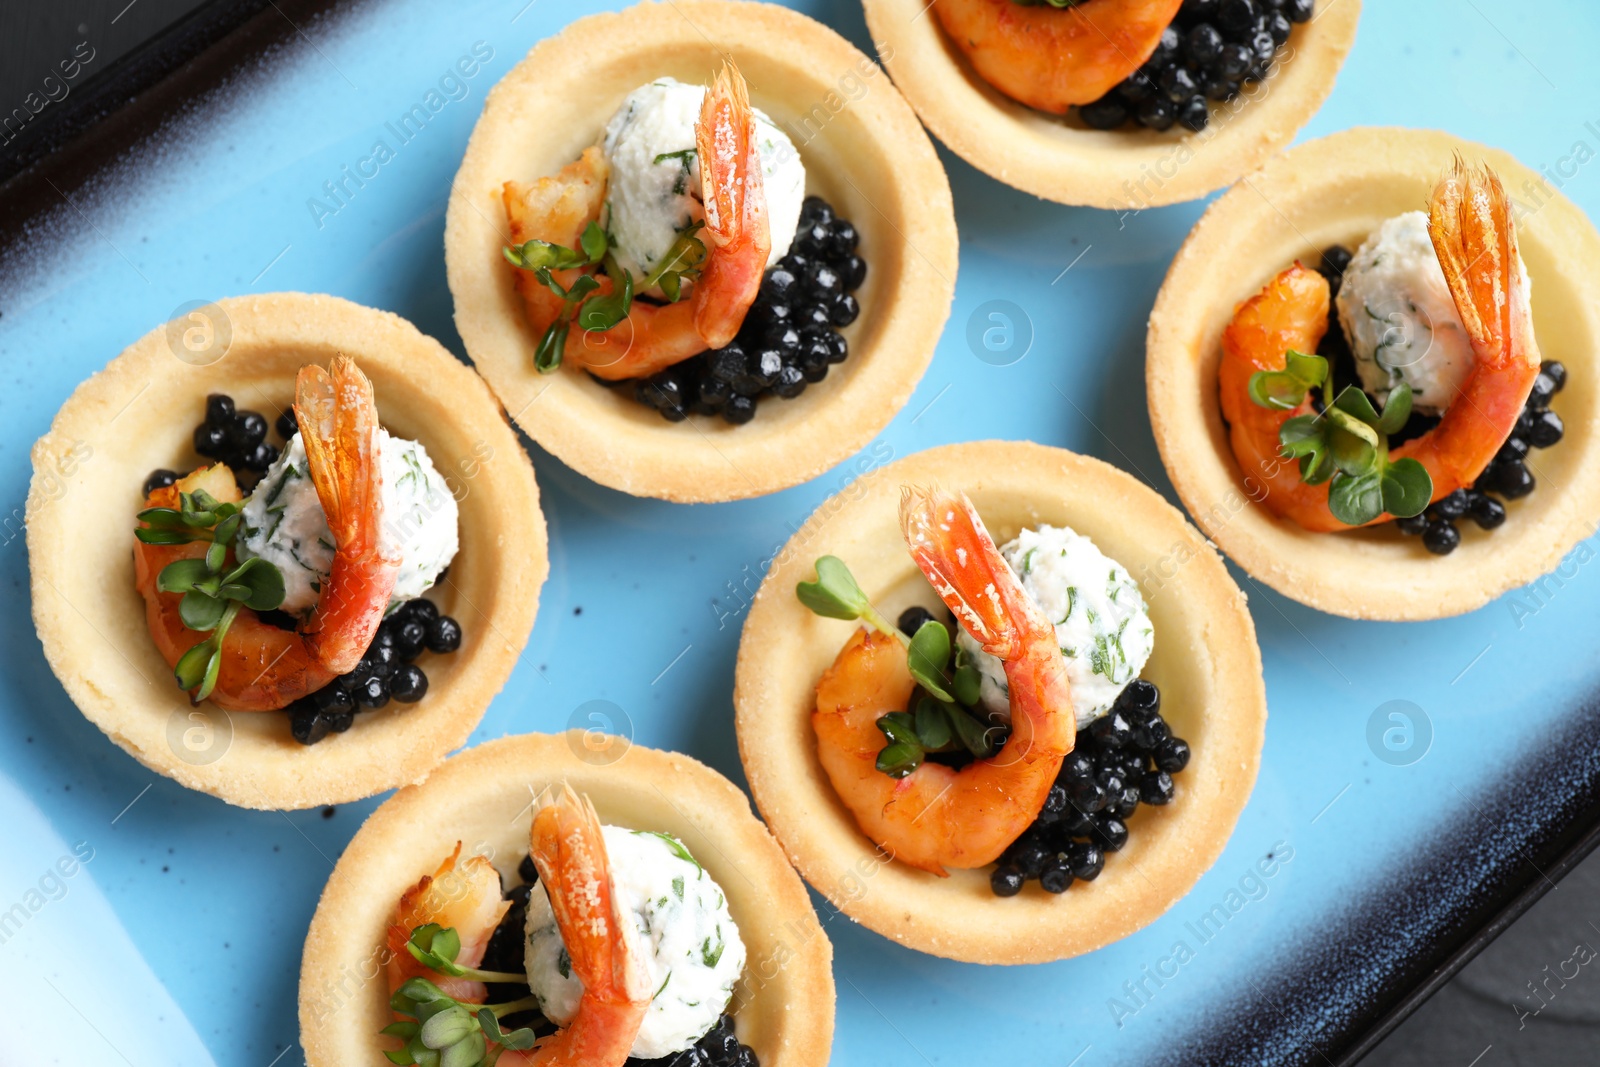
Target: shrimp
x=263, y=667
x=1049, y=58
x=1474, y=236
x=1291, y=312
x=938, y=817
x=463, y=895
x=569, y=851
x=739, y=241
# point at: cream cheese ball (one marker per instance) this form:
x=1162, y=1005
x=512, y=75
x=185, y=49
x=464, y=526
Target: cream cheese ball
x=283, y=522
x=1102, y=623
x=654, y=192
x=683, y=933
x=1400, y=318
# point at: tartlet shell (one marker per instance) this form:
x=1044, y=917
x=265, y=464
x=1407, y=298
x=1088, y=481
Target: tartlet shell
x=1206, y=662
x=1338, y=189
x=1059, y=158
x=482, y=798
x=137, y=415
x=869, y=156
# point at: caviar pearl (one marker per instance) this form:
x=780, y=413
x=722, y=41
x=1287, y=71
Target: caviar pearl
x=234, y=437
x=1084, y=818
x=790, y=336
x=385, y=672
x=159, y=479
x=1211, y=48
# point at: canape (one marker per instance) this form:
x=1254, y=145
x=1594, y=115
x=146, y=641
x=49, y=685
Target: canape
x=324, y=560
x=1050, y=778
x=689, y=333
x=1371, y=374
x=546, y=894
x=1109, y=103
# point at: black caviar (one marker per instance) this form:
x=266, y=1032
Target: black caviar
x=790, y=337
x=386, y=672
x=1507, y=476
x=235, y=437
x=1212, y=50
x=1125, y=758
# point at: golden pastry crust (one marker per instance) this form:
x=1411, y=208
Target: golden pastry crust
x=1059, y=158
x=866, y=154
x=137, y=415
x=1337, y=190
x=784, y=1003
x=1206, y=662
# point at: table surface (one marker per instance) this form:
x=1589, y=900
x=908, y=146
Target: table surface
x=179, y=941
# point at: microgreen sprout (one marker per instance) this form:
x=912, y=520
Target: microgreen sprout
x=1347, y=443
x=443, y=1032
x=436, y=948
x=579, y=304
x=938, y=720
x=212, y=592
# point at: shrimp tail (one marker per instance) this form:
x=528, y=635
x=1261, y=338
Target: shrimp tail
x=959, y=558
x=735, y=207
x=569, y=851
x=1475, y=240
x=338, y=419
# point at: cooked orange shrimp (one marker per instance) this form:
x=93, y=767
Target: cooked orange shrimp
x=570, y=853
x=655, y=336
x=1474, y=236
x=263, y=667
x=463, y=895
x=1291, y=312
x=1050, y=58
x=938, y=817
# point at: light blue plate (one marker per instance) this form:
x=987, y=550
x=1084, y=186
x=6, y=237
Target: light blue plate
x=178, y=942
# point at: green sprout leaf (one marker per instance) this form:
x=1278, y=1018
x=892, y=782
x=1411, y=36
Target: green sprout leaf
x=604, y=312
x=261, y=582
x=1407, y=488
x=594, y=242
x=973, y=735
x=547, y=357
x=899, y=759
x=436, y=948
x=1356, y=499
x=447, y=1027
x=927, y=657
x=899, y=727
x=542, y=255
x=967, y=685
x=194, y=665
x=932, y=724
x=515, y=1039
x=182, y=575
x=1396, y=410
x=1285, y=390
x=835, y=593
x=200, y=612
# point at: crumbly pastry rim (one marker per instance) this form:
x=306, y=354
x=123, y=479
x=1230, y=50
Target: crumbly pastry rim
x=482, y=797
x=137, y=414
x=868, y=155
x=1337, y=189
x=1120, y=170
x=1206, y=662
